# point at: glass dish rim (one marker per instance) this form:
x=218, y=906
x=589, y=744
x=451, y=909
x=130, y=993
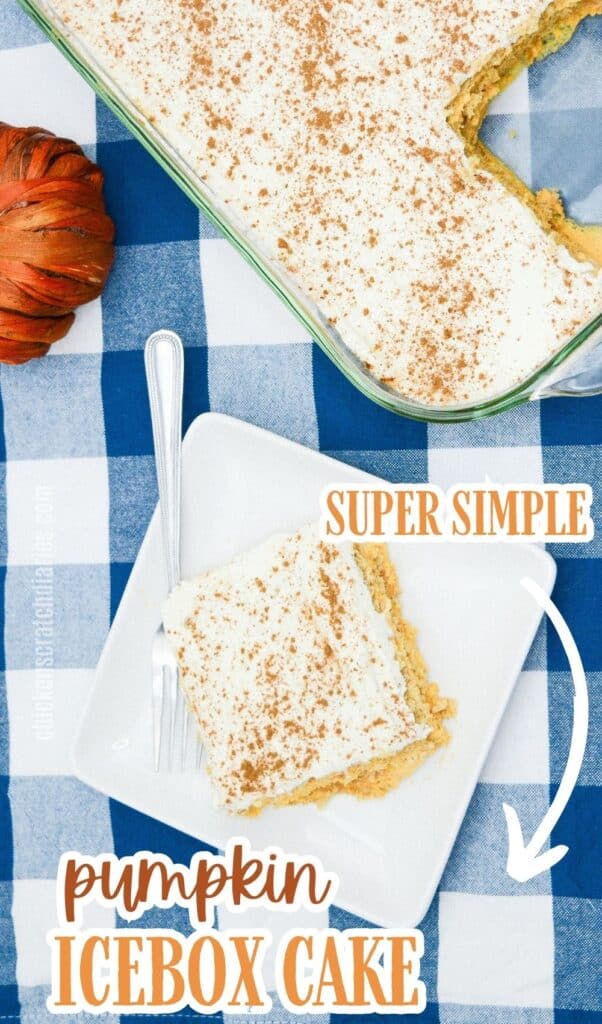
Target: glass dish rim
x=174, y=165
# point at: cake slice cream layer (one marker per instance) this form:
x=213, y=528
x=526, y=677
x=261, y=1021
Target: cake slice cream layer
x=301, y=674
x=341, y=139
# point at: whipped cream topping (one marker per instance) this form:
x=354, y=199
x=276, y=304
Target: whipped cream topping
x=322, y=129
x=289, y=669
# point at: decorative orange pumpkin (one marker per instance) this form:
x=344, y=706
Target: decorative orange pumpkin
x=56, y=240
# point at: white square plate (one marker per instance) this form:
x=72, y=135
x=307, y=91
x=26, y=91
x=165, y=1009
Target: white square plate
x=475, y=626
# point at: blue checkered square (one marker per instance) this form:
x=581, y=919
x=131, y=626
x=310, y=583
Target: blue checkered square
x=131, y=176
x=9, y=1001
x=6, y=863
x=108, y=127
x=429, y=1016
x=41, y=418
x=347, y=420
x=120, y=574
x=79, y=618
x=478, y=860
x=133, y=831
x=7, y=946
x=536, y=660
x=578, y=588
x=207, y=228
x=578, y=926
x=553, y=164
x=576, y=464
x=276, y=391
x=196, y=385
x=577, y=1017
x=561, y=727
x=408, y=467
x=16, y=29
x=571, y=421
x=518, y=426
x=462, y=1014
x=342, y=919
x=127, y=415
x=176, y=918
x=125, y=404
x=429, y=927
x=52, y=814
x=570, y=79
x=580, y=828
x=133, y=306
x=133, y=496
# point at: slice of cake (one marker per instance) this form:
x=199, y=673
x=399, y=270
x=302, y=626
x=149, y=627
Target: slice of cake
x=302, y=675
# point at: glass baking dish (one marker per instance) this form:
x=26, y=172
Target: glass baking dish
x=575, y=370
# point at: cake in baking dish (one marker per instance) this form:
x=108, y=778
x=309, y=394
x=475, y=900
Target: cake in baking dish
x=342, y=138
x=302, y=675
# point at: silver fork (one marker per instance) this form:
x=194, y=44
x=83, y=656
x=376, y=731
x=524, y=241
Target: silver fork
x=164, y=363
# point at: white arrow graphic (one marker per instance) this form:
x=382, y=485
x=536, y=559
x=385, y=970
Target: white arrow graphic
x=525, y=862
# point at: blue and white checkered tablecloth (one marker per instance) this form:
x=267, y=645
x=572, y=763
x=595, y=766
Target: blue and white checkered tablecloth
x=76, y=435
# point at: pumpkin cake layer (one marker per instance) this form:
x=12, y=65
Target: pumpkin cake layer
x=342, y=139
x=302, y=675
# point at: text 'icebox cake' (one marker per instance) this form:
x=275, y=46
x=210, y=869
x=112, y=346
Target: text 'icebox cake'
x=343, y=139
x=302, y=675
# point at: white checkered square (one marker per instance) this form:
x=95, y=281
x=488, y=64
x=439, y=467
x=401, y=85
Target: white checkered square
x=449, y=466
x=240, y=308
x=521, y=750
x=58, y=511
x=514, y=99
x=68, y=108
x=34, y=1010
x=85, y=335
x=34, y=914
x=496, y=950
x=44, y=711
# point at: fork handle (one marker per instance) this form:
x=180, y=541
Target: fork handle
x=164, y=363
